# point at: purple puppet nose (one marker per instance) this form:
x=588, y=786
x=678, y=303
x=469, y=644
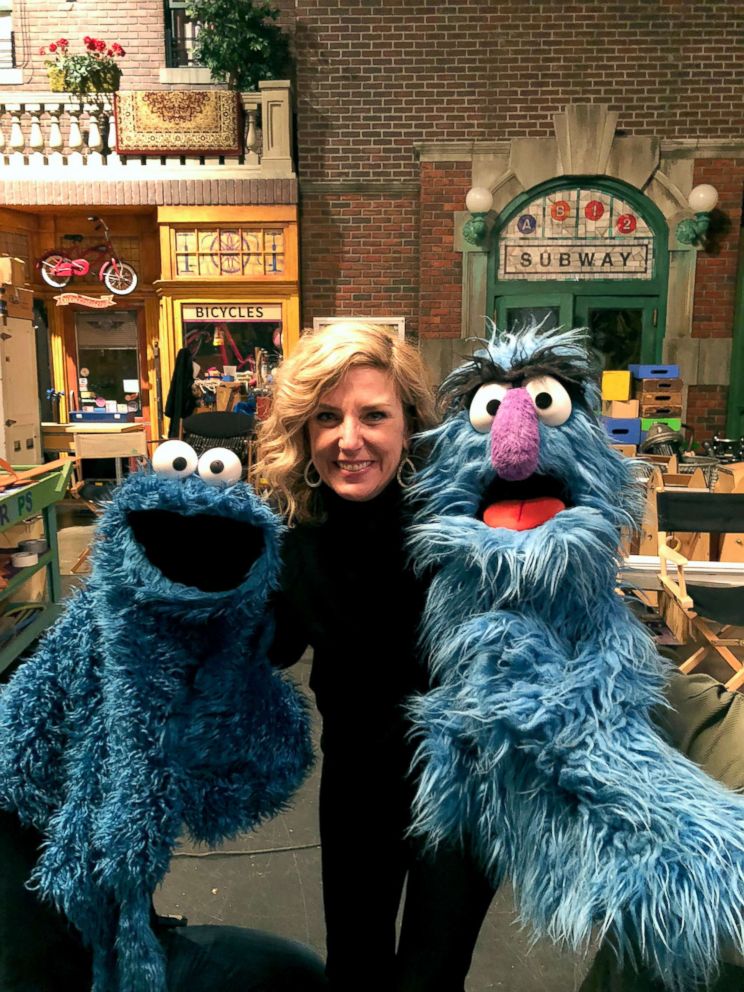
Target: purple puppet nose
x=515, y=437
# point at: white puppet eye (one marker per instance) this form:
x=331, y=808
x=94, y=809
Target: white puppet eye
x=220, y=467
x=484, y=405
x=551, y=399
x=174, y=460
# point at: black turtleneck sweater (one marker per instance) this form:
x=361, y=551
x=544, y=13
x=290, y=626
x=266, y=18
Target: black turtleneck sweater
x=348, y=591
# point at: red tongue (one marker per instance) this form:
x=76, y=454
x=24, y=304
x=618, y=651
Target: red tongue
x=522, y=514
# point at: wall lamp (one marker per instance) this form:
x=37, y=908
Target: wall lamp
x=702, y=200
x=478, y=202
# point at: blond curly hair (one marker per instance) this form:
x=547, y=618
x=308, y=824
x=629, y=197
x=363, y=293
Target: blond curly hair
x=317, y=365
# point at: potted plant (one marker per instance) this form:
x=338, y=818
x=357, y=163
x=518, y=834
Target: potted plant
x=93, y=71
x=239, y=41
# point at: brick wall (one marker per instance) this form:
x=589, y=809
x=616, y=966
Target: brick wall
x=715, y=286
x=715, y=280
x=443, y=189
x=359, y=256
x=706, y=411
x=18, y=245
x=376, y=75
x=138, y=27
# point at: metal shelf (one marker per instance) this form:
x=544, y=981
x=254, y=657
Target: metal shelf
x=19, y=642
x=34, y=498
x=25, y=574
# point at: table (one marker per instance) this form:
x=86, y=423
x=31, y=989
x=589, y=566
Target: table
x=114, y=440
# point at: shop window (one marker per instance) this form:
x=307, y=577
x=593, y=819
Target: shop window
x=230, y=252
x=233, y=335
x=108, y=368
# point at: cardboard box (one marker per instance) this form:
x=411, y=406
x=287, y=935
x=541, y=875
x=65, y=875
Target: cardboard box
x=621, y=409
x=627, y=450
x=18, y=302
x=665, y=463
x=12, y=270
x=616, y=385
x=730, y=478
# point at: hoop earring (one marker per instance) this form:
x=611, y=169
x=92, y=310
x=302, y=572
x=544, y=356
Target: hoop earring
x=406, y=472
x=311, y=483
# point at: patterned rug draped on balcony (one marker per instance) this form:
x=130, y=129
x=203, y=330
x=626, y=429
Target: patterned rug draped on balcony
x=178, y=122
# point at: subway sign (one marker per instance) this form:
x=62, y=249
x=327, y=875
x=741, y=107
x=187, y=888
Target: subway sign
x=245, y=313
x=571, y=259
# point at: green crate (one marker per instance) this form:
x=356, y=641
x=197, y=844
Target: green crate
x=674, y=423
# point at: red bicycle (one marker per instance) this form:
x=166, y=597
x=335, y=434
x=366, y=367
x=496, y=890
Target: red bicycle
x=57, y=266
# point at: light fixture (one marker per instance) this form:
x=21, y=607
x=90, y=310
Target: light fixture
x=478, y=202
x=702, y=200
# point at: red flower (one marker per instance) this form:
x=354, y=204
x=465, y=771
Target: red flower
x=87, y=39
x=62, y=42
x=42, y=51
x=52, y=47
x=110, y=52
x=100, y=46
x=117, y=49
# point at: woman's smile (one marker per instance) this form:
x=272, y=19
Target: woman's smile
x=358, y=433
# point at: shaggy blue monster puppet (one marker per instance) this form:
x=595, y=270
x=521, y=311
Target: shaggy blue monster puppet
x=536, y=746
x=151, y=705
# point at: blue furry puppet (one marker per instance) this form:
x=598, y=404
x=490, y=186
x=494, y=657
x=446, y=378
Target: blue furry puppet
x=536, y=746
x=151, y=706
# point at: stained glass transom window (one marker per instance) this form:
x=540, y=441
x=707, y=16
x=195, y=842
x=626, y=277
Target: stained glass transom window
x=580, y=233
x=230, y=252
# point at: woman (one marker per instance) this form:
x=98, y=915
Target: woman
x=336, y=454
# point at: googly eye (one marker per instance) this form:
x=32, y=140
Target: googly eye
x=219, y=467
x=484, y=405
x=174, y=460
x=551, y=399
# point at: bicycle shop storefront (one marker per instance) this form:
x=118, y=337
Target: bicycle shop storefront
x=222, y=282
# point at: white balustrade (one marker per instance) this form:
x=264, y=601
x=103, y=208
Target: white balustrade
x=64, y=134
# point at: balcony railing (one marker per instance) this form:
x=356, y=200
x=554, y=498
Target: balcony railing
x=58, y=134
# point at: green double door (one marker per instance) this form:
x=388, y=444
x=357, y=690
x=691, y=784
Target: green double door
x=623, y=329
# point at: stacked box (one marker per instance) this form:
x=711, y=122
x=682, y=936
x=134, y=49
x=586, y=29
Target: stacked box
x=659, y=397
x=658, y=389
x=674, y=423
x=616, y=385
x=622, y=409
x=623, y=431
x=654, y=371
x=12, y=271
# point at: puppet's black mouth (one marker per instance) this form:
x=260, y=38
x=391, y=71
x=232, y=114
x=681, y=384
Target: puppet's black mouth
x=525, y=503
x=203, y=550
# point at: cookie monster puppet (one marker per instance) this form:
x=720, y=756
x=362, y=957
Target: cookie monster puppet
x=536, y=747
x=151, y=705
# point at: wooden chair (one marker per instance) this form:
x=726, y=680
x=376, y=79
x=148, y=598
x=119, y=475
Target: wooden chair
x=703, y=606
